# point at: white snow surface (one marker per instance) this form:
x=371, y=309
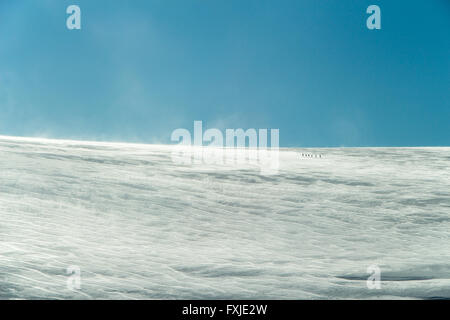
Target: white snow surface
x=140, y=226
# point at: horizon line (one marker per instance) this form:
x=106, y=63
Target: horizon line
x=130, y=143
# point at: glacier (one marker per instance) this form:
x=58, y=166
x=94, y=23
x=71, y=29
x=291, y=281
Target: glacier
x=140, y=226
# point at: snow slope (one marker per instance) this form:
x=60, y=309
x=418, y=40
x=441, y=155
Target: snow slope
x=139, y=225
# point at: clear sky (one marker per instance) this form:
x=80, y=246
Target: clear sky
x=137, y=70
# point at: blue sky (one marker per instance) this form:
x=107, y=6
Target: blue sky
x=137, y=70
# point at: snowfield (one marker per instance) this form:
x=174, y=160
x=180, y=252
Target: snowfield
x=141, y=226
